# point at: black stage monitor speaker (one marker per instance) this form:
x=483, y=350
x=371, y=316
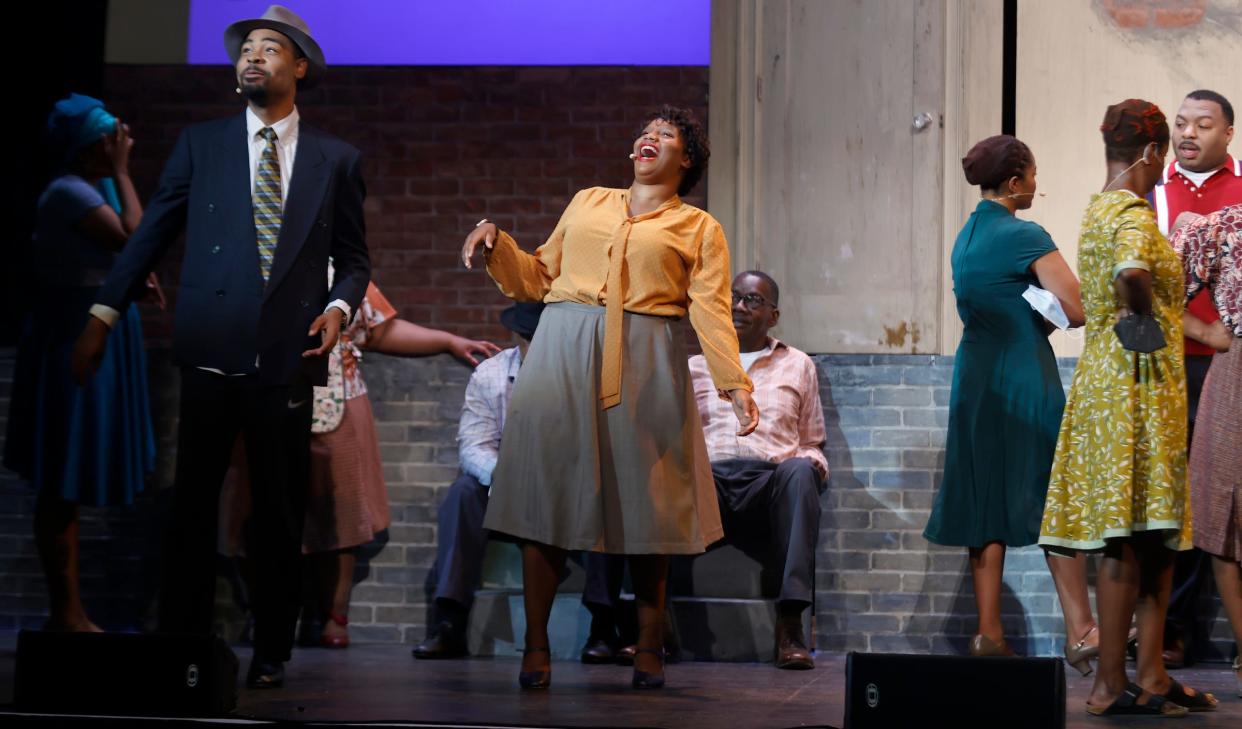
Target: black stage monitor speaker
x=124, y=673
x=886, y=690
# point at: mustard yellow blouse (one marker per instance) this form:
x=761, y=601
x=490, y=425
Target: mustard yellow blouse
x=667, y=262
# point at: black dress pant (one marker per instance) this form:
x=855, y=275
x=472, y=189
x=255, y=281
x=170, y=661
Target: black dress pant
x=461, y=544
x=775, y=506
x=1190, y=568
x=274, y=422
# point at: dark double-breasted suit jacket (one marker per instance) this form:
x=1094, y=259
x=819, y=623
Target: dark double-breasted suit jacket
x=227, y=318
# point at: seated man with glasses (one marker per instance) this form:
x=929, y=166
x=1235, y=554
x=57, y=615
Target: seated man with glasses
x=769, y=482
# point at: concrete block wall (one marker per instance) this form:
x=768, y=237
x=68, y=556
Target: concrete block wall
x=879, y=585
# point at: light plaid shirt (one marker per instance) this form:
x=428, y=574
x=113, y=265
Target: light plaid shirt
x=791, y=419
x=483, y=413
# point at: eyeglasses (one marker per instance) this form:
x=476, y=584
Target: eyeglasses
x=752, y=301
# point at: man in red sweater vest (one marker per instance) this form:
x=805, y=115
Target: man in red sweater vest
x=1202, y=179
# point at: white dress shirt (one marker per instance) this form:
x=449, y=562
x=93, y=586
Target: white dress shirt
x=483, y=413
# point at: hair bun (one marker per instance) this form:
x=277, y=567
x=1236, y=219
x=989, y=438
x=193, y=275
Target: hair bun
x=996, y=159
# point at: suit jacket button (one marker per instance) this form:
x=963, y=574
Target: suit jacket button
x=304, y=303
x=215, y=249
x=219, y=292
x=211, y=207
x=321, y=224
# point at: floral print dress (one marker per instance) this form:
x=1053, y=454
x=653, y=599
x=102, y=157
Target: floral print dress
x=1120, y=464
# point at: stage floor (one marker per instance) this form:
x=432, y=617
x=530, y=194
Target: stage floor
x=382, y=682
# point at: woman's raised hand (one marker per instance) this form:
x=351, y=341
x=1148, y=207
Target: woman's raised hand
x=117, y=146
x=484, y=233
x=746, y=410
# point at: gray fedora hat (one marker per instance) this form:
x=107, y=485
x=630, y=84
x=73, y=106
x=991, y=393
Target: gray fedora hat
x=284, y=21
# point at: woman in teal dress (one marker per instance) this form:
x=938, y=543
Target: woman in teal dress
x=90, y=445
x=1005, y=407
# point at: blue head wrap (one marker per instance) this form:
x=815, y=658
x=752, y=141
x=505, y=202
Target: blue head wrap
x=76, y=122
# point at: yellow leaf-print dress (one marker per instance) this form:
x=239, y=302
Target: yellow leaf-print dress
x=1120, y=464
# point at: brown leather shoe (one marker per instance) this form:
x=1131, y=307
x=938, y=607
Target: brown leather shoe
x=1174, y=654
x=791, y=650
x=598, y=650
x=981, y=645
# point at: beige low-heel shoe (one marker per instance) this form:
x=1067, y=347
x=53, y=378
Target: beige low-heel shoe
x=1237, y=673
x=981, y=646
x=1079, y=655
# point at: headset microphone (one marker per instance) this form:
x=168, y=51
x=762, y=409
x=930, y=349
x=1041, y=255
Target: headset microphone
x=633, y=156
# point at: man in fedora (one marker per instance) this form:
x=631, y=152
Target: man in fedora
x=264, y=201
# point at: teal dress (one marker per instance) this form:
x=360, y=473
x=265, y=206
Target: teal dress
x=1006, y=403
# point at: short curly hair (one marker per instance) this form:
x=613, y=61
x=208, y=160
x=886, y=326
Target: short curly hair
x=693, y=139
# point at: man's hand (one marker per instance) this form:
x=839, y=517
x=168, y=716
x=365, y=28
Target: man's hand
x=88, y=351
x=155, y=294
x=746, y=410
x=328, y=326
x=1183, y=219
x=471, y=351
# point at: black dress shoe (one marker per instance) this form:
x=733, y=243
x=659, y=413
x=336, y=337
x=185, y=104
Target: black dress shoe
x=625, y=655
x=598, y=651
x=446, y=643
x=265, y=674
x=791, y=650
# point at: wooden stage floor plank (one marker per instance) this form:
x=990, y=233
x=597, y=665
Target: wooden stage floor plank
x=383, y=682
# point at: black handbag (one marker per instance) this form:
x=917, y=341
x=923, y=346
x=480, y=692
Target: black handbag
x=1140, y=333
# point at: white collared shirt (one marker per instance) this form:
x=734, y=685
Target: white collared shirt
x=286, y=147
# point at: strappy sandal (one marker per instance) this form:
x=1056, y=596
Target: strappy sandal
x=1127, y=705
x=536, y=679
x=335, y=641
x=1198, y=701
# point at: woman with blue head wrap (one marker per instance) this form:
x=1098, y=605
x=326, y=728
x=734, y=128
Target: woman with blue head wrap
x=91, y=444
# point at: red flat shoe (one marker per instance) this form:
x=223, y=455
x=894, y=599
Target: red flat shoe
x=335, y=641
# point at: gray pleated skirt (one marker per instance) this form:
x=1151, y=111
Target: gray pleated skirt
x=633, y=479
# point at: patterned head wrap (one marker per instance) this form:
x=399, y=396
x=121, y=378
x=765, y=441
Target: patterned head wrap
x=1134, y=123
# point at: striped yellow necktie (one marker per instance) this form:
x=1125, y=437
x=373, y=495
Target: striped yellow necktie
x=267, y=202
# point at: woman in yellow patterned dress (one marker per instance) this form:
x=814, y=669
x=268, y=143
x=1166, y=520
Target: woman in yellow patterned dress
x=1118, y=481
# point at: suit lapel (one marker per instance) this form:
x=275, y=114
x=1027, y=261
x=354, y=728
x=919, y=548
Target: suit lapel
x=306, y=191
x=235, y=176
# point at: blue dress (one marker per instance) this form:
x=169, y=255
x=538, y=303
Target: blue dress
x=1005, y=406
x=92, y=445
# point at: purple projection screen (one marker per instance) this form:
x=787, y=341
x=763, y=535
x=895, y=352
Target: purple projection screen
x=478, y=32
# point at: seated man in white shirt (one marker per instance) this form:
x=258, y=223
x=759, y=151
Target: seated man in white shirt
x=769, y=483
x=461, y=538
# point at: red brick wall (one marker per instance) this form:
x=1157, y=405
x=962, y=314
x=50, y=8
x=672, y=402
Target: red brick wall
x=443, y=147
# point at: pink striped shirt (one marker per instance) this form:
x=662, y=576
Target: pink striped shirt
x=791, y=419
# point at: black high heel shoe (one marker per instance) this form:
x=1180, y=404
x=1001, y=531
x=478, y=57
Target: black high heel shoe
x=536, y=679
x=644, y=680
